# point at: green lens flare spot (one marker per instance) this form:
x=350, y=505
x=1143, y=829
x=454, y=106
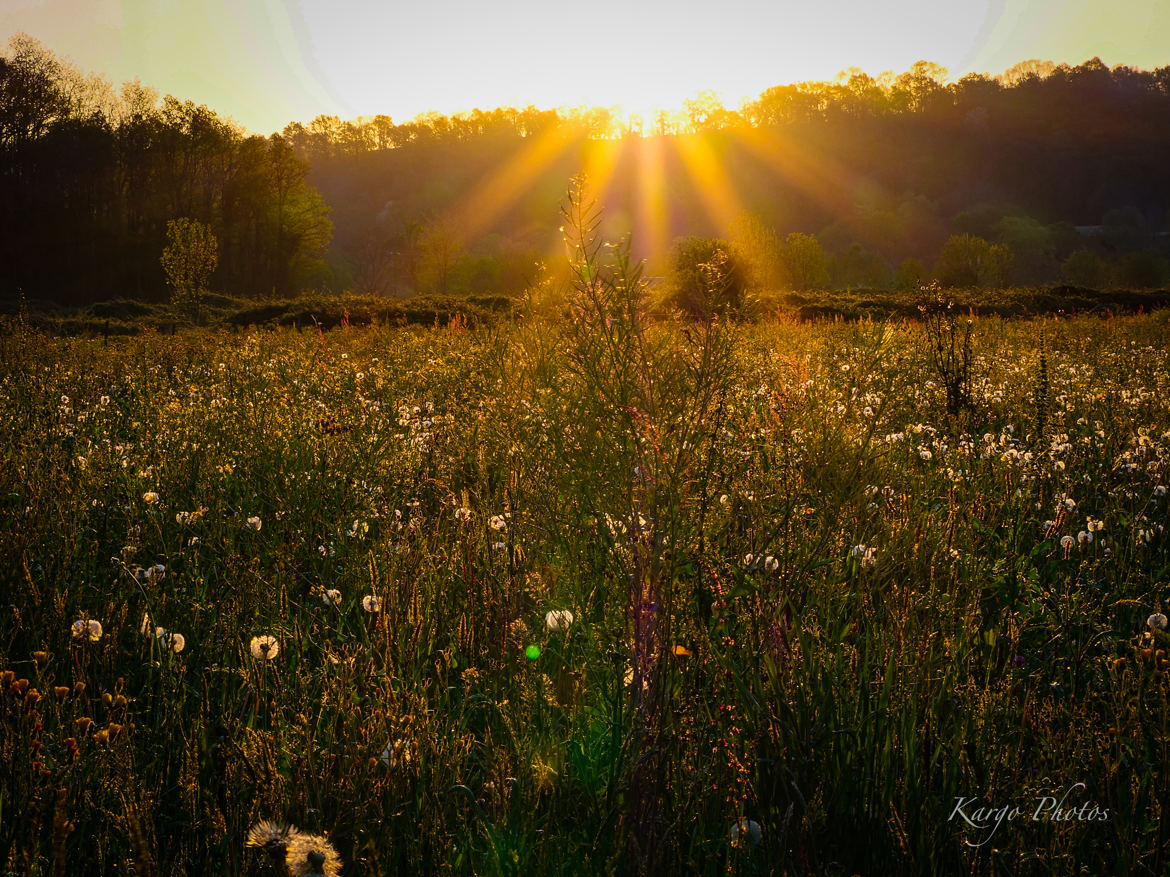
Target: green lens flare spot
x=532, y=652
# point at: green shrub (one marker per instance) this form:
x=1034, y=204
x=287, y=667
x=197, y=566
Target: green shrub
x=122, y=309
x=706, y=279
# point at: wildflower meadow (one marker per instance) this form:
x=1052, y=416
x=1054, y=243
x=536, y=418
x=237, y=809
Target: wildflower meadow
x=585, y=591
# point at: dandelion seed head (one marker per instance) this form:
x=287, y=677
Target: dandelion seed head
x=395, y=753
x=266, y=835
x=87, y=629
x=264, y=647
x=310, y=855
x=371, y=603
x=255, y=523
x=331, y=597
x=1157, y=621
x=558, y=619
x=745, y=832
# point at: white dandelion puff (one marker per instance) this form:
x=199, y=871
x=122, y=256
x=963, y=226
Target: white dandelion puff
x=87, y=629
x=264, y=647
x=865, y=555
x=558, y=619
x=745, y=832
x=395, y=753
x=310, y=855
x=266, y=835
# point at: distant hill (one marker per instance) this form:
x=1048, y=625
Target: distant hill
x=1061, y=169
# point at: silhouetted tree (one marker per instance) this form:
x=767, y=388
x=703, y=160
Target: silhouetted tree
x=189, y=259
x=969, y=261
x=803, y=262
x=1086, y=269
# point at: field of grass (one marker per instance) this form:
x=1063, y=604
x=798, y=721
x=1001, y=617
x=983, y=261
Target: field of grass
x=587, y=596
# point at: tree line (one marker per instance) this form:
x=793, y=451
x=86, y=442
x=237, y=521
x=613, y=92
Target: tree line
x=1044, y=174
x=90, y=177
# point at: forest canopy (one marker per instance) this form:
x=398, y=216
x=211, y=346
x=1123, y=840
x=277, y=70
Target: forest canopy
x=91, y=177
x=1056, y=173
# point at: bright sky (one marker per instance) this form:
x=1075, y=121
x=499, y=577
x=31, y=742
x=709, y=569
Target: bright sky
x=265, y=63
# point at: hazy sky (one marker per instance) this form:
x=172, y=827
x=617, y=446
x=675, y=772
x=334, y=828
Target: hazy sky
x=267, y=62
